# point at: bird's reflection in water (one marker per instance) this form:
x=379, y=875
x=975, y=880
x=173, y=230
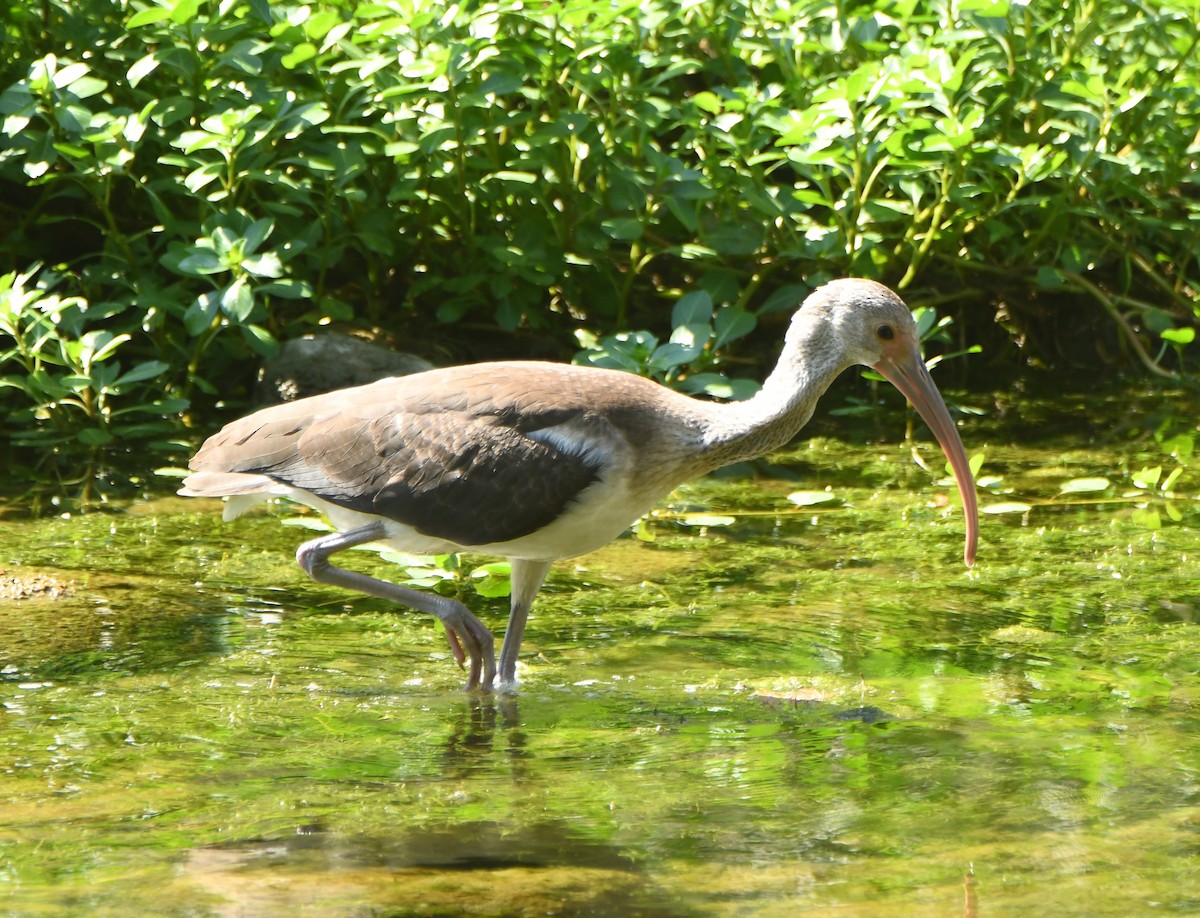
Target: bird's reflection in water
x=487, y=725
x=540, y=869
x=544, y=866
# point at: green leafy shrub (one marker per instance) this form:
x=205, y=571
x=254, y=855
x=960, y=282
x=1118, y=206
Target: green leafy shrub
x=208, y=176
x=66, y=390
x=688, y=360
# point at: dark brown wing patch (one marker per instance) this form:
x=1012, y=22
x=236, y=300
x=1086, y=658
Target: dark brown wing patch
x=478, y=483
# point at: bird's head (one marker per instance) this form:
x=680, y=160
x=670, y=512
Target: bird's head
x=867, y=324
x=862, y=320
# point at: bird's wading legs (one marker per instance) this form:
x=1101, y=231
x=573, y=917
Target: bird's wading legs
x=527, y=579
x=464, y=630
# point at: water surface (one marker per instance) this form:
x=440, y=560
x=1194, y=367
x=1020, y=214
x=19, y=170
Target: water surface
x=768, y=709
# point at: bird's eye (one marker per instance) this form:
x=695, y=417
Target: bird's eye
x=885, y=332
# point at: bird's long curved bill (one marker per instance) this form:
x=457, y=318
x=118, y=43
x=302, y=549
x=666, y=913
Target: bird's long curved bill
x=908, y=374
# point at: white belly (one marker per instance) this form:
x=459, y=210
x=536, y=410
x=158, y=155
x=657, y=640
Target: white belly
x=601, y=513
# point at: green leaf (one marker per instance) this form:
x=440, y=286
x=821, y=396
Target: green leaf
x=87, y=87
x=1050, y=278
x=200, y=314
x=146, y=370
x=511, y=175
x=265, y=265
x=677, y=353
x=742, y=389
x=975, y=463
x=1157, y=320
x=1084, y=485
x=305, y=51
x=623, y=229
x=1011, y=506
x=237, y=301
x=732, y=323
x=997, y=9
x=785, y=298
x=1147, y=478
x=184, y=11
x=492, y=587
x=813, y=498
x=65, y=76
x=1180, y=446
x=288, y=288
x=198, y=179
x=734, y=239
x=148, y=16
x=714, y=385
x=1180, y=336
x=492, y=580
x=261, y=341
x=693, y=308
x=256, y=234
x=98, y=346
x=202, y=262
x=94, y=436
x=928, y=323
x=501, y=84
x=170, y=405
x=1170, y=480
x=318, y=25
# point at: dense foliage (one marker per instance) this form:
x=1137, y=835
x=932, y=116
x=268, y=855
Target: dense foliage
x=183, y=182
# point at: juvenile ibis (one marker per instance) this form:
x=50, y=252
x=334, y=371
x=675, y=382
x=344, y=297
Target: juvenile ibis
x=536, y=462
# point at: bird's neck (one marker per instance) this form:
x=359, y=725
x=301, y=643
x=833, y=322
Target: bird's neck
x=807, y=367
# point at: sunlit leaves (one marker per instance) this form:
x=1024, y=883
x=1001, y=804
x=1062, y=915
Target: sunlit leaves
x=490, y=580
x=589, y=165
x=148, y=16
x=305, y=51
x=1147, y=478
x=72, y=384
x=687, y=360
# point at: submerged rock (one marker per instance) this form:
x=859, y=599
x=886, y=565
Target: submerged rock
x=14, y=586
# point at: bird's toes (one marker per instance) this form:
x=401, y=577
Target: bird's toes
x=456, y=647
x=489, y=671
x=473, y=676
x=470, y=640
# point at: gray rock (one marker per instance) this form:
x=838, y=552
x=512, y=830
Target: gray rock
x=327, y=361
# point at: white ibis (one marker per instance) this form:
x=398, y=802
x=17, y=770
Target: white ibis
x=536, y=462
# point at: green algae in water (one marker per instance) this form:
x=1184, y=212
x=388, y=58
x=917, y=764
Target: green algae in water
x=813, y=708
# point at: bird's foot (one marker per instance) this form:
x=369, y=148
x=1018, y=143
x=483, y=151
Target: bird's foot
x=506, y=678
x=471, y=641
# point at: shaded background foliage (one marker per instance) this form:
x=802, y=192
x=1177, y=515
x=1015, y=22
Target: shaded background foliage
x=183, y=183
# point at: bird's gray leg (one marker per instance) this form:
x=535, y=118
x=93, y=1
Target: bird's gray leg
x=463, y=628
x=527, y=579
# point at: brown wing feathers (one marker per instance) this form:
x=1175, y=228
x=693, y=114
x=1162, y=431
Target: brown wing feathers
x=453, y=471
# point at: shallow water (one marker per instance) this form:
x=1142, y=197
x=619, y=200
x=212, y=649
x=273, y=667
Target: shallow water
x=810, y=709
